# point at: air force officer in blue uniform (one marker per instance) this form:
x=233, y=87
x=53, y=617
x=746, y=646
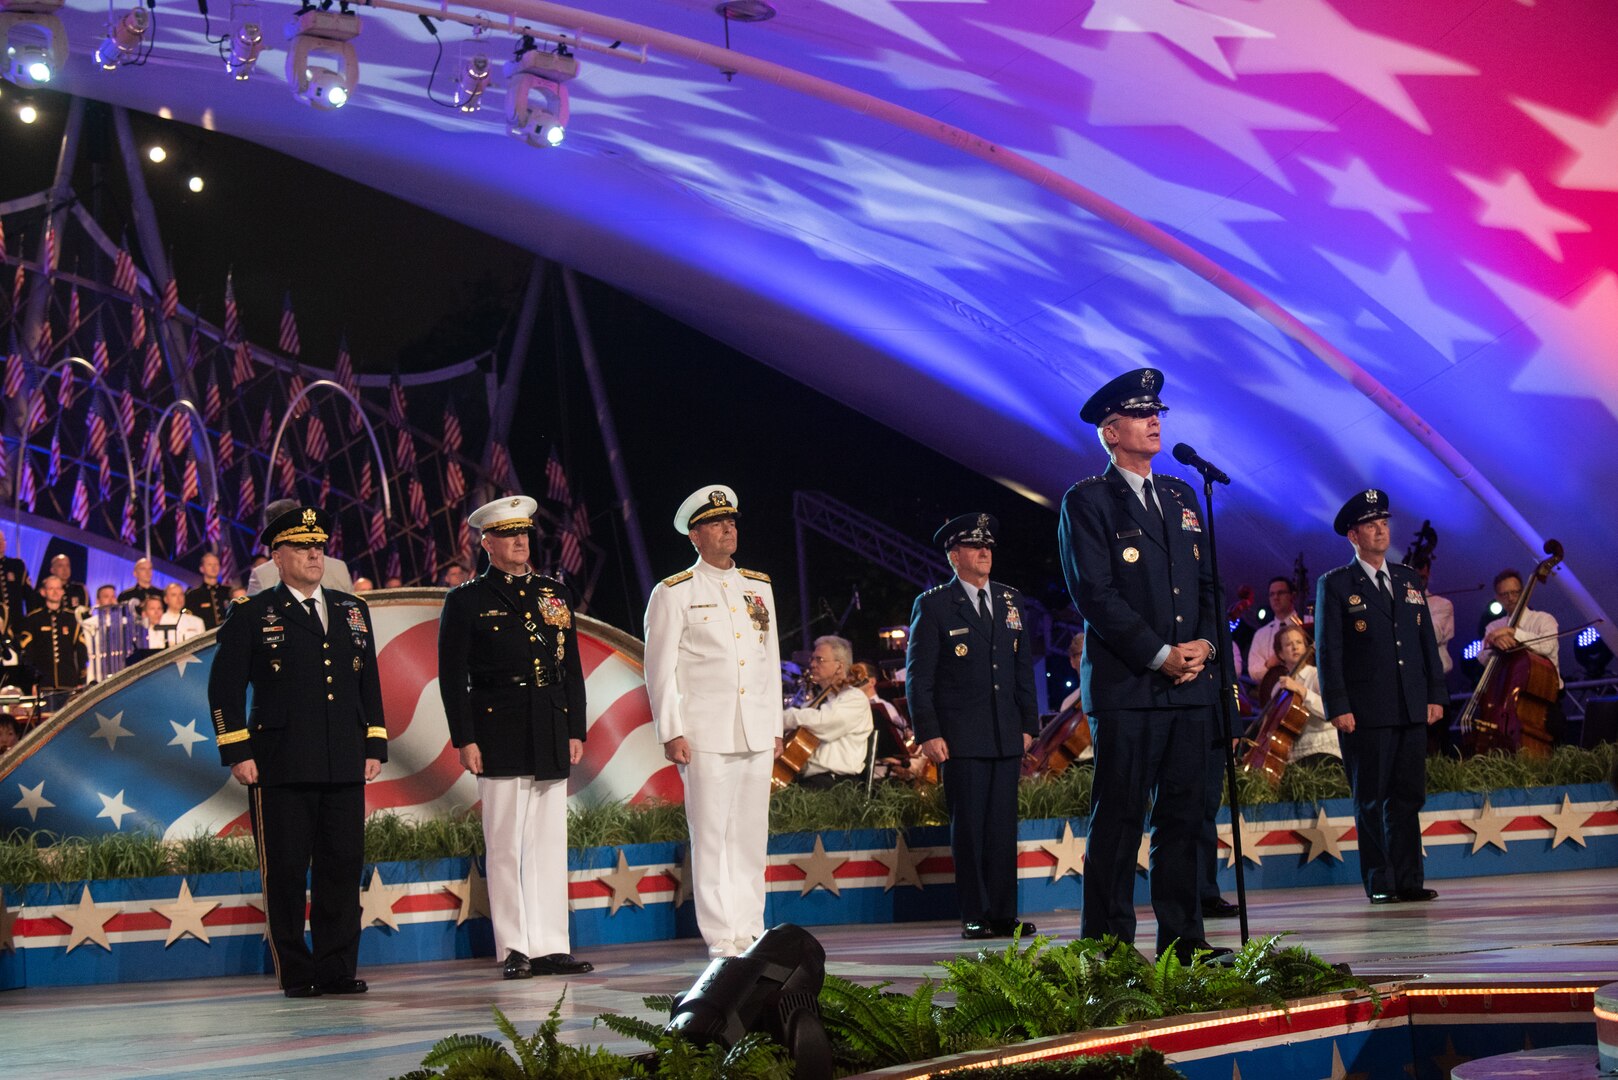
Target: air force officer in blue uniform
x=969, y=679
x=1383, y=682
x=1132, y=552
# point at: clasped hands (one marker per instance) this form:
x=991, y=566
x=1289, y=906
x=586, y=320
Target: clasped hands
x=1185, y=662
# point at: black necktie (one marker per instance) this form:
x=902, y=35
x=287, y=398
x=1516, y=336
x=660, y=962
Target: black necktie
x=314, y=612
x=1152, y=510
x=983, y=605
x=1382, y=584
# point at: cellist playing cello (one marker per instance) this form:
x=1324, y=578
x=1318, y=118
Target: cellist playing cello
x=1319, y=739
x=1536, y=631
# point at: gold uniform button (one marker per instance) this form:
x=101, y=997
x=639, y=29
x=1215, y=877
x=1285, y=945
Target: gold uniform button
x=743, y=690
x=732, y=609
x=532, y=638
x=328, y=678
x=331, y=697
x=528, y=614
x=738, y=636
x=743, y=663
x=328, y=661
x=325, y=645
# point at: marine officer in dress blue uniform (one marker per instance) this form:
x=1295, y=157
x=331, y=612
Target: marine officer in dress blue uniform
x=513, y=689
x=713, y=674
x=1382, y=682
x=1131, y=548
x=969, y=678
x=316, y=734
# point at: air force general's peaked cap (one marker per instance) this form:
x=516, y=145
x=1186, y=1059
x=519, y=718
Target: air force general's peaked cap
x=1133, y=393
x=1368, y=505
x=975, y=529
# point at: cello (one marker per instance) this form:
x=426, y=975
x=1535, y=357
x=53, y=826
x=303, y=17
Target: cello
x=1060, y=743
x=1508, y=709
x=798, y=747
x=1280, y=723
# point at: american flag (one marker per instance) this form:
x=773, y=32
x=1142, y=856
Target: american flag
x=378, y=535
x=325, y=489
x=98, y=434
x=334, y=544
x=454, y=482
x=227, y=560
x=74, y=312
x=581, y=521
x=104, y=477
x=212, y=528
x=123, y=273
x=137, y=325
x=233, y=315
x=287, y=474
x=154, y=364
x=500, y=470
x=14, y=374
x=266, y=428
x=55, y=471
x=50, y=247
x=394, y=568
x=126, y=527
x=294, y=388
x=64, y=387
x=160, y=496
x=463, y=542
x=289, y=328
x=418, y=504
x=99, y=358
x=572, y=551
x=396, y=402
x=28, y=493
x=241, y=369
x=46, y=342
x=36, y=410
x=404, y=451
x=346, y=379
x=182, y=528
x=193, y=351
x=555, y=479
x=188, y=481
x=226, y=455
x=17, y=281
x=171, y=299
x=429, y=557
x=452, y=430
x=367, y=484
x=212, y=403
x=179, y=431
x=246, y=496
x=2, y=237
x=126, y=412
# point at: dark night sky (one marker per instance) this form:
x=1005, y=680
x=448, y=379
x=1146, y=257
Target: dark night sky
x=416, y=291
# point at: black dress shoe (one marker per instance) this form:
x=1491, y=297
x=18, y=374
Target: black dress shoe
x=516, y=966
x=1011, y=927
x=559, y=963
x=1417, y=896
x=304, y=991
x=976, y=931
x=344, y=986
x=1385, y=898
x=1217, y=955
x=1219, y=908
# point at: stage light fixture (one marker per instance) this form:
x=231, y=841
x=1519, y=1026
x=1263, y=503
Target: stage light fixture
x=1592, y=653
x=470, y=82
x=27, y=114
x=315, y=36
x=195, y=184
x=158, y=155
x=34, y=39
x=123, y=41
x=772, y=988
x=536, y=101
x=246, y=42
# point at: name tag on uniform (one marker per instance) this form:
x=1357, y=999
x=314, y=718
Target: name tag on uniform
x=959, y=631
x=274, y=635
x=1357, y=607
x=1126, y=534
x=702, y=605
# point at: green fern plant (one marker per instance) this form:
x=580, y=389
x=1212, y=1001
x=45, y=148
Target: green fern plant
x=871, y=1028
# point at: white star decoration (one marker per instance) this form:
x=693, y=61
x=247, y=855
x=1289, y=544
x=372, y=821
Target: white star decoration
x=1568, y=823
x=1356, y=187
x=377, y=900
x=87, y=922
x=112, y=729
x=1193, y=31
x=185, y=916
x=819, y=870
x=1323, y=838
x=473, y=893
x=186, y=737
x=1400, y=289
x=114, y=808
x=905, y=869
x=1565, y=364
x=624, y=885
x=185, y=661
x=33, y=800
x=1594, y=164
x=1511, y=203
x=1068, y=852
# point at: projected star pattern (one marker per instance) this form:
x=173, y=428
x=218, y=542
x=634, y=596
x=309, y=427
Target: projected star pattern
x=1430, y=187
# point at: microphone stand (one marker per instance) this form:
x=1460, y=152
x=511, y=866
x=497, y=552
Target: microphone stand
x=1227, y=708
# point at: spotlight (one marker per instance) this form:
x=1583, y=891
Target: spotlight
x=323, y=35
x=1592, y=653
x=157, y=155
x=34, y=39
x=542, y=75
x=195, y=184
x=470, y=83
x=246, y=41
x=773, y=988
x=27, y=114
x=123, y=39
x=894, y=638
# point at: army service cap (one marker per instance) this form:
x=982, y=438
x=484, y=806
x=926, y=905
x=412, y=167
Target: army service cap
x=508, y=514
x=974, y=530
x=1368, y=505
x=304, y=525
x=1133, y=393
x=712, y=502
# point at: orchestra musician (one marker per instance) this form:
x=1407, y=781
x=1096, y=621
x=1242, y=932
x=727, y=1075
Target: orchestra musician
x=1261, y=655
x=51, y=641
x=74, y=595
x=1536, y=631
x=17, y=594
x=1319, y=739
x=839, y=715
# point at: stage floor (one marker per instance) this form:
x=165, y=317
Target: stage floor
x=1545, y=927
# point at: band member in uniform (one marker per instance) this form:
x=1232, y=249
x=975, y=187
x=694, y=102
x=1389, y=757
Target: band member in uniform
x=16, y=592
x=969, y=678
x=174, y=623
x=713, y=673
x=51, y=640
x=74, y=594
x=143, y=586
x=513, y=690
x=208, y=600
x=839, y=714
x=1131, y=549
x=1382, y=683
x=315, y=736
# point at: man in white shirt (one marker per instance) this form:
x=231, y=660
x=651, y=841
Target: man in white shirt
x=1261, y=653
x=1536, y=631
x=713, y=674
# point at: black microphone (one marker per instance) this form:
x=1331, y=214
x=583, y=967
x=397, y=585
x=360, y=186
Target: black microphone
x=1187, y=456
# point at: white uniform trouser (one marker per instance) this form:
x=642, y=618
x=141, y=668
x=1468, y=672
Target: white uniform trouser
x=525, y=836
x=727, y=807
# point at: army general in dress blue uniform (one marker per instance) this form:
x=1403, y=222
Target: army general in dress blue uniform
x=1132, y=551
x=969, y=679
x=1382, y=682
x=315, y=736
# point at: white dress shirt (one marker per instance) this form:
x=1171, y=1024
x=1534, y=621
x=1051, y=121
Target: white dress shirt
x=1537, y=631
x=843, y=723
x=1443, y=628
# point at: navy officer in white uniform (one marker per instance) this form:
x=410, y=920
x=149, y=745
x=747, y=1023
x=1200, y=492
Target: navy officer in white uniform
x=713, y=673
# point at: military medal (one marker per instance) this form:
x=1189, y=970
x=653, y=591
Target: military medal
x=1189, y=521
x=1196, y=552
x=357, y=664
x=1013, y=616
x=553, y=609
x=1353, y=598
x=356, y=621
x=757, y=611
x=960, y=650
x=1131, y=554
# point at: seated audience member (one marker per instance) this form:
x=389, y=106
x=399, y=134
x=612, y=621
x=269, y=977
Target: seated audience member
x=1319, y=738
x=176, y=624
x=839, y=713
x=454, y=574
x=208, y=600
x=74, y=594
x=266, y=576
x=51, y=641
x=9, y=733
x=394, y=582
x=363, y=585
x=1261, y=653
x=143, y=586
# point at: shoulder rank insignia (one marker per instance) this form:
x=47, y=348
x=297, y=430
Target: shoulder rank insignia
x=756, y=575
x=675, y=579
x=1088, y=480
